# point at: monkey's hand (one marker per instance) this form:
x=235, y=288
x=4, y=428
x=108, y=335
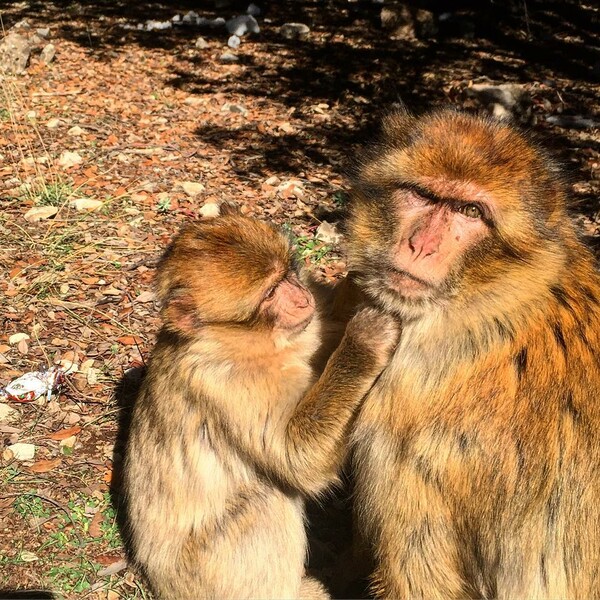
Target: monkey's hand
x=317, y=433
x=374, y=333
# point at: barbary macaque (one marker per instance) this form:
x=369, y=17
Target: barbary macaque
x=232, y=430
x=477, y=452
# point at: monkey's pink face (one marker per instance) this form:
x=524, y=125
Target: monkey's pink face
x=434, y=234
x=289, y=305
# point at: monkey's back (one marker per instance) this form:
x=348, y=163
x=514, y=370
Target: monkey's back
x=193, y=499
x=495, y=457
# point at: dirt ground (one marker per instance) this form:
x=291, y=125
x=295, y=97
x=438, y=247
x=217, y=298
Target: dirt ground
x=154, y=126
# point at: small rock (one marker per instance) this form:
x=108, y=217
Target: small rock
x=53, y=123
x=209, y=210
x=69, y=159
x=192, y=188
x=573, y=121
x=228, y=57
x=76, y=130
x=291, y=188
x=8, y=414
x=48, y=53
x=202, y=44
x=15, y=50
x=241, y=25
x=194, y=100
x=191, y=17
x=273, y=180
x=21, y=451
x=510, y=96
x=43, y=32
x=294, y=31
x=22, y=24
x=86, y=204
x=38, y=213
x=253, y=10
x=328, y=233
x=234, y=108
x=152, y=25
x=500, y=112
x=234, y=42
x=213, y=23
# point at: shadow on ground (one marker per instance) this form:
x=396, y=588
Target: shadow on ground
x=349, y=61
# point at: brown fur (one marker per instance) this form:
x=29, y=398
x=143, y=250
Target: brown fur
x=477, y=452
x=228, y=436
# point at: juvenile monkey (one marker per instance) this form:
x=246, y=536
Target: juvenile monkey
x=477, y=452
x=231, y=431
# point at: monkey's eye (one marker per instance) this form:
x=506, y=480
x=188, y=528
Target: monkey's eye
x=470, y=210
x=271, y=293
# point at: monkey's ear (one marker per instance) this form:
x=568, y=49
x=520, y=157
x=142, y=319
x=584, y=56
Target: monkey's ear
x=179, y=313
x=229, y=208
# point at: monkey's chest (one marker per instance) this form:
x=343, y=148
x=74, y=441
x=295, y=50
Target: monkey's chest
x=435, y=437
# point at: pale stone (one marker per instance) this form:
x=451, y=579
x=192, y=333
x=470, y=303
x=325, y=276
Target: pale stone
x=37, y=213
x=86, y=204
x=15, y=338
x=22, y=451
x=209, y=210
x=192, y=188
x=76, y=130
x=69, y=159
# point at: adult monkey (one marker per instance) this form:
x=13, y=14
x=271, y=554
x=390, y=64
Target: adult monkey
x=477, y=453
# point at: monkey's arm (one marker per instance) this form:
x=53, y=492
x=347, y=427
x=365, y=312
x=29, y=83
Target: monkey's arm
x=305, y=450
x=316, y=435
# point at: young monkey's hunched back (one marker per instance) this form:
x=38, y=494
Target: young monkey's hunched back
x=228, y=436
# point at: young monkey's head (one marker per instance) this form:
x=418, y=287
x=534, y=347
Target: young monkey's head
x=234, y=271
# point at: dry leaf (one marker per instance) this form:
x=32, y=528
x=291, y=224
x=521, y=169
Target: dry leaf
x=94, y=530
x=8, y=413
x=130, y=340
x=68, y=442
x=92, y=376
x=112, y=291
x=146, y=297
x=113, y=568
x=27, y=556
x=22, y=347
x=65, y=433
x=15, y=338
x=43, y=466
